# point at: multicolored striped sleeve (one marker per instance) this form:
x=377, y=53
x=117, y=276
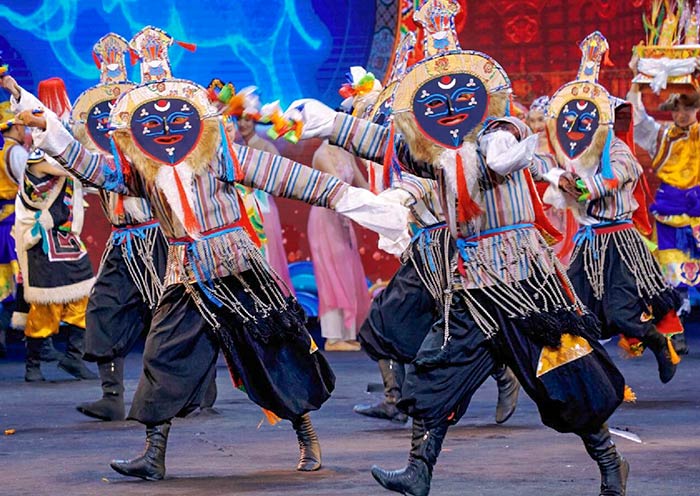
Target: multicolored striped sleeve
x=92, y=168
x=367, y=140
x=280, y=176
x=625, y=169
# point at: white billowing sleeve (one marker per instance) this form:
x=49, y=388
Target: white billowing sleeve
x=384, y=217
x=505, y=154
x=55, y=138
x=646, y=129
x=26, y=101
x=317, y=117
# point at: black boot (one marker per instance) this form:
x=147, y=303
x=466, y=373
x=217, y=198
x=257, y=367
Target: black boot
x=613, y=468
x=661, y=346
x=72, y=362
x=680, y=344
x=5, y=319
x=414, y=480
x=508, y=390
x=32, y=361
x=309, y=447
x=48, y=352
x=151, y=464
x=3, y=345
x=111, y=406
x=392, y=377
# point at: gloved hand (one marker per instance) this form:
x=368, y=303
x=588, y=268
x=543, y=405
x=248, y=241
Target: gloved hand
x=374, y=213
x=396, y=195
x=317, y=117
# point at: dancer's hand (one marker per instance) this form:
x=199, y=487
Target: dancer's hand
x=31, y=119
x=567, y=183
x=634, y=62
x=317, y=117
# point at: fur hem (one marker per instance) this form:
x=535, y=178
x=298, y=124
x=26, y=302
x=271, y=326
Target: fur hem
x=19, y=321
x=61, y=294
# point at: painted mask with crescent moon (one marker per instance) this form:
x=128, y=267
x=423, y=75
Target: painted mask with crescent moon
x=167, y=129
x=97, y=124
x=449, y=107
x=577, y=123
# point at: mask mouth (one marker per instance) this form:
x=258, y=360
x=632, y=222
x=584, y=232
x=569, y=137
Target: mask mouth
x=452, y=120
x=575, y=135
x=167, y=140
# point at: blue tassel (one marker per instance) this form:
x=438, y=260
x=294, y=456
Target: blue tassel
x=605, y=159
x=230, y=170
x=508, y=108
x=114, y=178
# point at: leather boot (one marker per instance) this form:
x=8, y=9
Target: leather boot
x=48, y=352
x=661, y=346
x=72, y=362
x=309, y=446
x=508, y=390
x=111, y=406
x=392, y=377
x=3, y=345
x=32, y=361
x=151, y=464
x=613, y=468
x=414, y=479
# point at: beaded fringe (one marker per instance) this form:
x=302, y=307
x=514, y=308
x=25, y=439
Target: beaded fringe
x=137, y=254
x=516, y=271
x=634, y=254
x=205, y=262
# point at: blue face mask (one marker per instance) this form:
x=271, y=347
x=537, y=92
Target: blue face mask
x=577, y=123
x=97, y=124
x=447, y=108
x=167, y=129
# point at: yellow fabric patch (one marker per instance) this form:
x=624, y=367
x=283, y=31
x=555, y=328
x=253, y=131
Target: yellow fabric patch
x=682, y=220
x=572, y=348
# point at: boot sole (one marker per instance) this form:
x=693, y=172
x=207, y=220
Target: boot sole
x=94, y=415
x=118, y=469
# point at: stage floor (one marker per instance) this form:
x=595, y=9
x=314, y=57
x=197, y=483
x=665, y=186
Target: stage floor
x=57, y=451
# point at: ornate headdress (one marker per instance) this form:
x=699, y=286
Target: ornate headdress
x=582, y=113
x=90, y=115
x=450, y=93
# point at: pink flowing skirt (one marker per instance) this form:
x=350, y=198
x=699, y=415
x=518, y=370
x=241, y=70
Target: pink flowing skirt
x=337, y=266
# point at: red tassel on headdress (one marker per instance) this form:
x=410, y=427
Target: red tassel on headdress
x=191, y=224
x=187, y=46
x=467, y=208
x=133, y=56
x=52, y=93
x=96, y=59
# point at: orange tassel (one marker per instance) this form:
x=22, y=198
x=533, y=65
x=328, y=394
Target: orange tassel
x=271, y=418
x=191, y=224
x=467, y=207
x=629, y=396
x=675, y=359
x=187, y=46
x=119, y=207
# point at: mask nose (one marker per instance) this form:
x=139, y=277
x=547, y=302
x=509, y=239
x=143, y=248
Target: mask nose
x=450, y=106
